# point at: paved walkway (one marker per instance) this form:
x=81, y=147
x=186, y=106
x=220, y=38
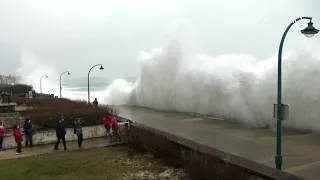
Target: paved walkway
x=301, y=150
x=45, y=149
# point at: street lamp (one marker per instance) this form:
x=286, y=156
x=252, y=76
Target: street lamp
x=41, y=82
x=101, y=68
x=60, y=81
x=308, y=32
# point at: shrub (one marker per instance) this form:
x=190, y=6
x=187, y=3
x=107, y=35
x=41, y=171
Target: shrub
x=46, y=112
x=15, y=89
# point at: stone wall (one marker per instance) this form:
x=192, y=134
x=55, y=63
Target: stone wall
x=199, y=161
x=49, y=136
x=11, y=119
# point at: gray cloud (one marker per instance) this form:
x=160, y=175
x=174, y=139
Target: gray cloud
x=76, y=34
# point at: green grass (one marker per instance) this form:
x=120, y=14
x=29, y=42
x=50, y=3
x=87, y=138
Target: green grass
x=93, y=164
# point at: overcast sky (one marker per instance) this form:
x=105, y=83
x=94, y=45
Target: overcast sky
x=75, y=34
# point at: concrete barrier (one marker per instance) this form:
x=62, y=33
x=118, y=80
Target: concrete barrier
x=49, y=136
x=199, y=161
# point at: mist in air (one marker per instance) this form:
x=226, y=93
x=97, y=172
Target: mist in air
x=213, y=58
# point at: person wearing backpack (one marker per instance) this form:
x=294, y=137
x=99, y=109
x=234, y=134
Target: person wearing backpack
x=78, y=131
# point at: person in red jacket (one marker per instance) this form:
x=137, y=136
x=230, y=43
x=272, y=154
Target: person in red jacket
x=2, y=132
x=115, y=129
x=108, y=126
x=18, y=138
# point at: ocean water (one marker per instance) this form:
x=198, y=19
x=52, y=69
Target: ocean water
x=240, y=87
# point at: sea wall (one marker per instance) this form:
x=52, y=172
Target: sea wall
x=199, y=161
x=49, y=136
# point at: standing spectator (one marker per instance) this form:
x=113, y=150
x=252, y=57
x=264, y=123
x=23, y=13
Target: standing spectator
x=9, y=98
x=95, y=102
x=108, y=126
x=61, y=134
x=78, y=130
x=27, y=128
x=3, y=96
x=115, y=129
x=18, y=138
x=2, y=132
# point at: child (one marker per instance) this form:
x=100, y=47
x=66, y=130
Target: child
x=18, y=138
x=2, y=131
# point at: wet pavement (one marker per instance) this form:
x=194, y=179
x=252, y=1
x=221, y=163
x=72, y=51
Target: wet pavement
x=301, y=150
x=45, y=149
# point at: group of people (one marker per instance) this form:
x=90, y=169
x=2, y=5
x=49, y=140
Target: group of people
x=6, y=97
x=110, y=122
x=112, y=128
x=27, y=128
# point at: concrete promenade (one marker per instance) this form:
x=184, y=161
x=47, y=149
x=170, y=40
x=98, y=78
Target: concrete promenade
x=301, y=150
x=48, y=148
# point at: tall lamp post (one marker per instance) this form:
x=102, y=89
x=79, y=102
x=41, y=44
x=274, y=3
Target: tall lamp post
x=309, y=32
x=101, y=68
x=41, y=82
x=60, y=81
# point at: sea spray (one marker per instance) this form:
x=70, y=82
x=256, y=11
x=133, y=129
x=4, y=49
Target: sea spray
x=233, y=87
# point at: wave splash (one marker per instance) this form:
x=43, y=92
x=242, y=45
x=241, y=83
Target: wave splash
x=233, y=86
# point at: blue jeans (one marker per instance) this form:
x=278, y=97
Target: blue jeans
x=28, y=139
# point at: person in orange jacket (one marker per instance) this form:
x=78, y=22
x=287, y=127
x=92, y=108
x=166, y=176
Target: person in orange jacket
x=18, y=138
x=2, y=132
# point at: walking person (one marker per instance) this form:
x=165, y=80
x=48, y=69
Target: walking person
x=27, y=128
x=61, y=134
x=78, y=130
x=18, y=138
x=2, y=132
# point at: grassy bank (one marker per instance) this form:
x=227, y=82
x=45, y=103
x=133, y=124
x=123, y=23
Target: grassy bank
x=102, y=163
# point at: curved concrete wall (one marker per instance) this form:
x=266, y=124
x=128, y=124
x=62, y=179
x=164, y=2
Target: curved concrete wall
x=200, y=161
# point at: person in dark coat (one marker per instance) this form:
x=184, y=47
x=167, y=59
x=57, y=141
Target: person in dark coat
x=95, y=102
x=27, y=128
x=78, y=130
x=61, y=134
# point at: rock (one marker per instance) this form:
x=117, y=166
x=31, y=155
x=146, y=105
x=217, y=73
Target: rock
x=167, y=173
x=172, y=174
x=145, y=175
x=128, y=162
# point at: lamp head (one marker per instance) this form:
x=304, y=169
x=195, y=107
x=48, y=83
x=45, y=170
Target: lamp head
x=101, y=68
x=309, y=31
x=68, y=73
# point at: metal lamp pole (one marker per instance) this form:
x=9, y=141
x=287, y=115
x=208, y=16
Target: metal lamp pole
x=101, y=68
x=60, y=81
x=308, y=32
x=41, y=82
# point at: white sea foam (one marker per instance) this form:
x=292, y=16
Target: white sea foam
x=233, y=86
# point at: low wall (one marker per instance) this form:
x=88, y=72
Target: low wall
x=49, y=136
x=199, y=161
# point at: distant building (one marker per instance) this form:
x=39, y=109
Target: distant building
x=8, y=79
